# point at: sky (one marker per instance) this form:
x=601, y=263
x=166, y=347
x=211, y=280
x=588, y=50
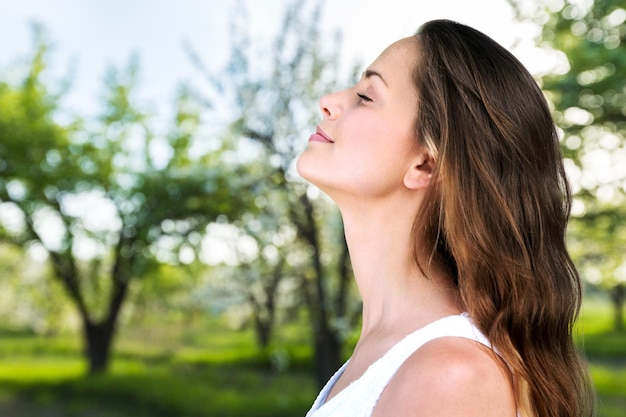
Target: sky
x=89, y=37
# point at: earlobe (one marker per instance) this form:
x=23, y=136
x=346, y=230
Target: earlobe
x=419, y=174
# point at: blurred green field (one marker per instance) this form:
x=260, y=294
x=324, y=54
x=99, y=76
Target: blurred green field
x=190, y=370
x=209, y=370
x=606, y=351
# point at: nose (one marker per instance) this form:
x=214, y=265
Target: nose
x=330, y=106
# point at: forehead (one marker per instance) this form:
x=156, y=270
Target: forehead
x=396, y=62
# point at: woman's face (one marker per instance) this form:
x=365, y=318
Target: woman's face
x=366, y=142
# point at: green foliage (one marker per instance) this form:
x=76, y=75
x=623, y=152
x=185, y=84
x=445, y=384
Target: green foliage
x=590, y=106
x=588, y=93
x=110, y=198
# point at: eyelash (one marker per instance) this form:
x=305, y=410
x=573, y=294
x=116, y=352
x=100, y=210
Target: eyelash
x=364, y=97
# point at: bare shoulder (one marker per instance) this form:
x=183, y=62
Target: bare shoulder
x=449, y=376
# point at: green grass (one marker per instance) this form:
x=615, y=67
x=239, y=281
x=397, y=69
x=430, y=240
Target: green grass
x=599, y=340
x=205, y=369
x=605, y=349
x=197, y=371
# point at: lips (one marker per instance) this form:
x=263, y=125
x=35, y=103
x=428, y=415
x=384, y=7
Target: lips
x=320, y=136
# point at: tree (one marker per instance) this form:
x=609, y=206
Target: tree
x=275, y=97
x=255, y=283
x=588, y=94
x=597, y=242
x=261, y=276
x=98, y=195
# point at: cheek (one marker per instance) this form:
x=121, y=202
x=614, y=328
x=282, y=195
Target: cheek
x=366, y=134
x=382, y=141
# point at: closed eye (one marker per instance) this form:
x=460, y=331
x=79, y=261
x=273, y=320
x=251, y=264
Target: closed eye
x=364, y=97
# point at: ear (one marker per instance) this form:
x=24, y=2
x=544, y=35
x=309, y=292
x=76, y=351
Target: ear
x=419, y=174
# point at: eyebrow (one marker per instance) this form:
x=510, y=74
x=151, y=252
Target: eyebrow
x=368, y=73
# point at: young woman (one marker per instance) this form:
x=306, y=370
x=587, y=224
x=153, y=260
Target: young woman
x=445, y=164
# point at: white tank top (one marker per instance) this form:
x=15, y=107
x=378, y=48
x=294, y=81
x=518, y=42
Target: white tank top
x=360, y=397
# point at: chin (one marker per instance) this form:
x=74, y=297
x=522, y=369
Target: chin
x=305, y=168
x=309, y=168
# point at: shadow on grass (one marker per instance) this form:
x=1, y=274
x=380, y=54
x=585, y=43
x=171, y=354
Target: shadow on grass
x=605, y=346
x=44, y=377
x=224, y=391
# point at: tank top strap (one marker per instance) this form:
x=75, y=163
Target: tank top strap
x=361, y=396
x=451, y=326
x=383, y=370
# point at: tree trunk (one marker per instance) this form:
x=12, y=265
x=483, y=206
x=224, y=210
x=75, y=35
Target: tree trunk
x=99, y=336
x=618, y=296
x=263, y=330
x=327, y=354
x=326, y=339
x=97, y=345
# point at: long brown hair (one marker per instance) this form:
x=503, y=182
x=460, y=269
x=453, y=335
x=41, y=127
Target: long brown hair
x=497, y=211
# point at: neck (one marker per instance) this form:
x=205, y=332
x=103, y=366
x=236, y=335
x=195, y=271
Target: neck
x=397, y=296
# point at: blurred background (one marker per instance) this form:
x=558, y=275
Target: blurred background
x=158, y=253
